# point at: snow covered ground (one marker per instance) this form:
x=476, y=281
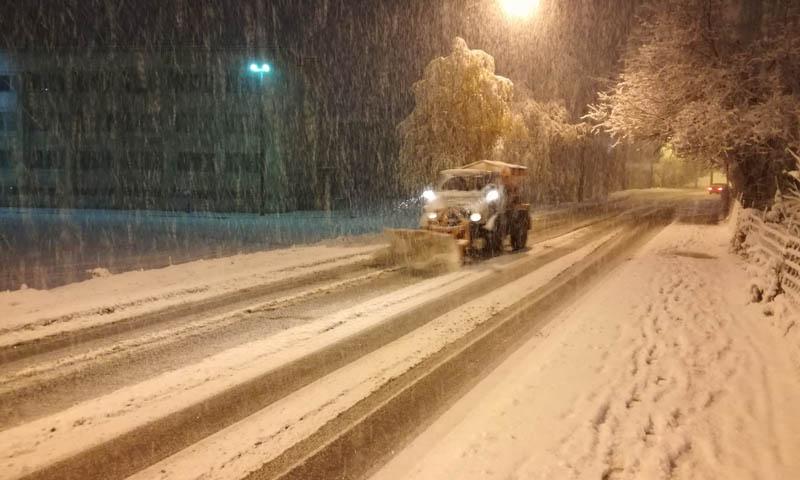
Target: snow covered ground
x=663, y=370
x=29, y=314
x=98, y=420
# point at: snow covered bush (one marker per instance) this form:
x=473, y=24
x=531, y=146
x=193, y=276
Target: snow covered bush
x=790, y=201
x=462, y=109
x=772, y=252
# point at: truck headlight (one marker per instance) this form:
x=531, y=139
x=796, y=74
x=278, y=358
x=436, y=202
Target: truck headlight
x=475, y=217
x=432, y=216
x=429, y=195
x=492, y=195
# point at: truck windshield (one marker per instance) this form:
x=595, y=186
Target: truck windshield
x=465, y=183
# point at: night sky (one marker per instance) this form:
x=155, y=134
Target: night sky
x=370, y=51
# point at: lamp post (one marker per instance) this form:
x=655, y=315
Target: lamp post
x=262, y=69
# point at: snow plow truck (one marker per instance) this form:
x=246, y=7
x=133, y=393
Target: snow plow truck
x=472, y=210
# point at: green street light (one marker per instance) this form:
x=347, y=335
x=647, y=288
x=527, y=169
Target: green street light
x=263, y=68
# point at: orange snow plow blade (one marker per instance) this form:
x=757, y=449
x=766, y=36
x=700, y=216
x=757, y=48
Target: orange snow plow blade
x=422, y=251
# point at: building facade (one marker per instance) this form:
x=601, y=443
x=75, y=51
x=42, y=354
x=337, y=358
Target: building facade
x=10, y=133
x=188, y=129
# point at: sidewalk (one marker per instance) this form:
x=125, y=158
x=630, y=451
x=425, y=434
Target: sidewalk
x=662, y=371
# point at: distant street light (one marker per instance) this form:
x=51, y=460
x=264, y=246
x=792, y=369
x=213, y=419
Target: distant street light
x=263, y=68
x=521, y=9
x=265, y=123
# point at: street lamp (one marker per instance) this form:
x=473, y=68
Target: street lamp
x=264, y=121
x=521, y=9
x=263, y=68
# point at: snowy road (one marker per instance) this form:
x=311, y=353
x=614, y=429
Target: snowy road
x=661, y=371
x=276, y=357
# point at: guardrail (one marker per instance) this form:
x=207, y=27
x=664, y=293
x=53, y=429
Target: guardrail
x=773, y=248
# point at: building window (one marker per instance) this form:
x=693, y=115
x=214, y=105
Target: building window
x=242, y=162
x=195, y=162
x=150, y=162
x=235, y=123
x=132, y=82
x=5, y=159
x=46, y=160
x=149, y=123
x=8, y=122
x=186, y=122
x=95, y=82
x=191, y=82
x=94, y=160
x=232, y=82
x=40, y=123
x=144, y=163
x=5, y=83
x=46, y=83
x=235, y=83
x=81, y=82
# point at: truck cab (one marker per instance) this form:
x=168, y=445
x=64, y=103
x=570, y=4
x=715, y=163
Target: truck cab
x=480, y=205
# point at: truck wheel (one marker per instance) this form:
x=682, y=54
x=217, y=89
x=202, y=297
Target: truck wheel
x=494, y=242
x=519, y=232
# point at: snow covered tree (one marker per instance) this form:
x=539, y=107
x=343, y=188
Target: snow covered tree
x=537, y=138
x=566, y=161
x=714, y=85
x=462, y=109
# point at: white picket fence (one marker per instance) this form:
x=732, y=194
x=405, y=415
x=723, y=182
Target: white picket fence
x=772, y=247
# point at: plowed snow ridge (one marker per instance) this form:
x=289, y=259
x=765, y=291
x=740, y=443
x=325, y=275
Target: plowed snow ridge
x=30, y=314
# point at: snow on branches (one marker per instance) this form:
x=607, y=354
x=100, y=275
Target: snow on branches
x=462, y=108
x=464, y=112
x=566, y=161
x=715, y=85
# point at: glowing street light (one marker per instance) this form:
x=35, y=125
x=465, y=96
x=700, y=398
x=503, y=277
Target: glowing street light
x=521, y=9
x=263, y=68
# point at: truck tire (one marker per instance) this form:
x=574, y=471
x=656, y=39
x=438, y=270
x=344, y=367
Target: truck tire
x=494, y=242
x=519, y=231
